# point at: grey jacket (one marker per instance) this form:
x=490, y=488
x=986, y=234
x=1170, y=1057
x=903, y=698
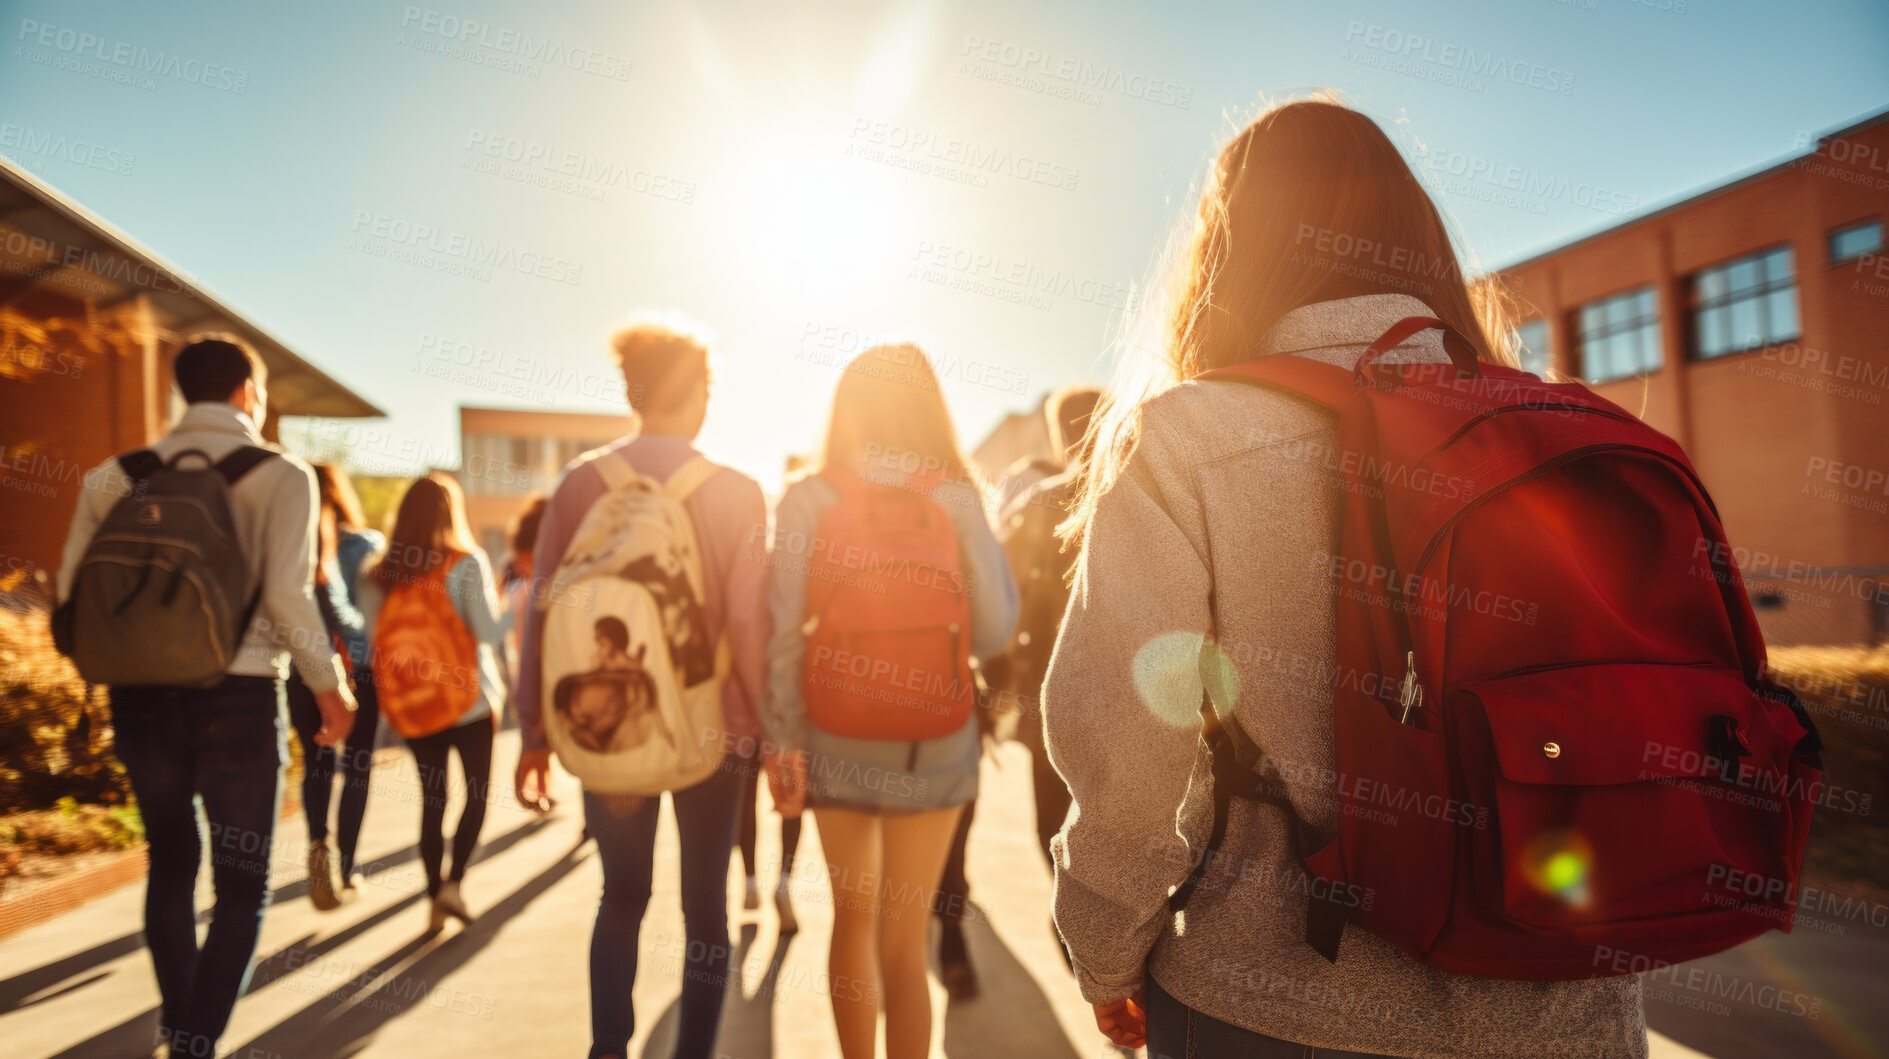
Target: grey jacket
x=274, y=509
x=1211, y=550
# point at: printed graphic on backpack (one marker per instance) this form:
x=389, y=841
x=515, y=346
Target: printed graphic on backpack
x=631, y=678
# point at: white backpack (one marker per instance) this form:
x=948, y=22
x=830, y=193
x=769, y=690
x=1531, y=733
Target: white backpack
x=632, y=685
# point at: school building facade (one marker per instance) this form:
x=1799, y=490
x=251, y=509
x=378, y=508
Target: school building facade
x=1751, y=323
x=508, y=454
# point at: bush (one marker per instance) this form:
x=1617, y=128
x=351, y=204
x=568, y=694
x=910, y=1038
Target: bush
x=1846, y=691
x=55, y=731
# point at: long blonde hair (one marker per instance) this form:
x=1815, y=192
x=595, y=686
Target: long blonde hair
x=1309, y=202
x=889, y=406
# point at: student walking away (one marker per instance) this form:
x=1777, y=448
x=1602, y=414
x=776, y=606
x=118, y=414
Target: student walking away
x=342, y=545
x=433, y=616
x=886, y=582
x=1408, y=812
x=1040, y=564
x=753, y=764
x=521, y=583
x=185, y=586
x=641, y=668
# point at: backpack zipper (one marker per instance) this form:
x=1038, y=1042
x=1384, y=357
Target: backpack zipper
x=1534, y=406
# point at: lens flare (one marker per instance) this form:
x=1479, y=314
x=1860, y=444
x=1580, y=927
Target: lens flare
x=1560, y=862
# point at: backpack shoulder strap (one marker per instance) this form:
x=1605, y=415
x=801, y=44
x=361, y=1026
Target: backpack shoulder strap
x=614, y=468
x=241, y=462
x=689, y=477
x=140, y=464
x=1316, y=381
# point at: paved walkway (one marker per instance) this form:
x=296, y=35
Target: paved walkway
x=362, y=980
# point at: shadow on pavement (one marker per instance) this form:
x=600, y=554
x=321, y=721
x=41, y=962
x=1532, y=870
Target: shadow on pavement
x=1011, y=1015
x=747, y=1022
x=344, y=1020
x=134, y=1036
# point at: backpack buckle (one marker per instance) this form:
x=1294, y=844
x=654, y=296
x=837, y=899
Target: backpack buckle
x=1411, y=694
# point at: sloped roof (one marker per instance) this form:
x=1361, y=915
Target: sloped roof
x=48, y=243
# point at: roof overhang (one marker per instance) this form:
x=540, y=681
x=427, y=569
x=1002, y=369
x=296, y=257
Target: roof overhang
x=51, y=245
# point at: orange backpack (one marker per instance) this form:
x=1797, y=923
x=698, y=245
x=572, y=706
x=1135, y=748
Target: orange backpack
x=426, y=663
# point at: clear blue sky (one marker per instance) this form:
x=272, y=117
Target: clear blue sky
x=728, y=158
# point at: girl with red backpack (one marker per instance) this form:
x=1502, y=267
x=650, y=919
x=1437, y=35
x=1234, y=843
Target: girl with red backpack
x=887, y=581
x=1209, y=515
x=433, y=615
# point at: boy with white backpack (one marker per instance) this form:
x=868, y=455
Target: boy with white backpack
x=641, y=664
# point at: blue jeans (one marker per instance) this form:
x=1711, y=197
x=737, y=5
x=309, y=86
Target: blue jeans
x=1176, y=1031
x=625, y=830
x=222, y=747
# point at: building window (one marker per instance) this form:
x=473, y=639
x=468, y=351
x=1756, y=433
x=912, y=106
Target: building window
x=1857, y=240
x=1531, y=345
x=1744, y=304
x=1620, y=336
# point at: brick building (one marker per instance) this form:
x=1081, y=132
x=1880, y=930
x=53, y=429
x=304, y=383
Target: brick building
x=1751, y=323
x=89, y=323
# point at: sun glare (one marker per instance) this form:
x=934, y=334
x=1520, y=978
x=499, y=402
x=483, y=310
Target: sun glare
x=809, y=224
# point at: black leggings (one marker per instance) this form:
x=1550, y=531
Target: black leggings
x=319, y=764
x=750, y=825
x=473, y=741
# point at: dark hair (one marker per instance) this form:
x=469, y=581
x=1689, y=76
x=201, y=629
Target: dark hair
x=1068, y=410
x=613, y=630
x=663, y=358
x=525, y=528
x=211, y=367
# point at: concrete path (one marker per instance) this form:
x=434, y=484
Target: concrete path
x=363, y=981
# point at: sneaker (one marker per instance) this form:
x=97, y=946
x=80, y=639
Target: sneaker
x=321, y=877
x=449, y=902
x=751, y=897
x=784, y=905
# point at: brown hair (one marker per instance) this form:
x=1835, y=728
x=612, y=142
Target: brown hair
x=430, y=526
x=525, y=527
x=663, y=356
x=889, y=401
x=212, y=366
x=1310, y=202
x=337, y=493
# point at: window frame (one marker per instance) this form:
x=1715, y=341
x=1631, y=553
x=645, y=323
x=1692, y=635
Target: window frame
x=1759, y=296
x=1606, y=330
x=1829, y=241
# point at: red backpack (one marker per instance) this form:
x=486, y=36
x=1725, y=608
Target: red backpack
x=1557, y=755
x=888, y=616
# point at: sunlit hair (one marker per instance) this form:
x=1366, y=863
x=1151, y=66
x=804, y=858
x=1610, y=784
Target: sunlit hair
x=663, y=355
x=888, y=405
x=1310, y=202
x=430, y=526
